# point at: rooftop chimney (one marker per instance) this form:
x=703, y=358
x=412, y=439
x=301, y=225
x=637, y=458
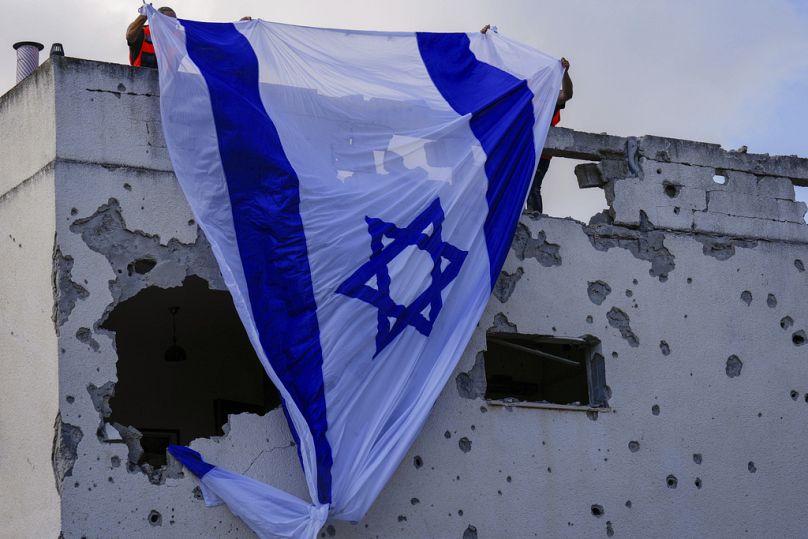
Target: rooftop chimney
x=57, y=50
x=27, y=57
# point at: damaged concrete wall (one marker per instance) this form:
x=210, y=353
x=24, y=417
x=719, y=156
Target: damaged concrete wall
x=29, y=502
x=698, y=312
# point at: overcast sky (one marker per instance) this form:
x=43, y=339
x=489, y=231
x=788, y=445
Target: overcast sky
x=727, y=71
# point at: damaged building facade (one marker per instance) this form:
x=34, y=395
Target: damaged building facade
x=640, y=375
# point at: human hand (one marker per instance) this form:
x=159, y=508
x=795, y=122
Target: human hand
x=565, y=63
x=485, y=28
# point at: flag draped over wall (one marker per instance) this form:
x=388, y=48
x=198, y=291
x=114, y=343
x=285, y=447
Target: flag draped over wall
x=359, y=190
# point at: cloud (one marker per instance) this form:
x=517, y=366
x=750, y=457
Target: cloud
x=717, y=71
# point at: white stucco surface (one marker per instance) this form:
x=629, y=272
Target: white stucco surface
x=29, y=503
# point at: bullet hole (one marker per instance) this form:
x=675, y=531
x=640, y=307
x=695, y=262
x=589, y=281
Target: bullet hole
x=460, y=512
x=671, y=189
x=197, y=493
x=771, y=301
x=806, y=397
x=127, y=187
x=115, y=460
x=191, y=222
x=155, y=518
x=659, y=171
x=786, y=322
x=417, y=461
x=464, y=444
x=676, y=210
x=634, y=446
x=746, y=297
x=690, y=280
x=597, y=291
x=141, y=266
x=663, y=346
x=671, y=481
x=655, y=409
x=483, y=409
x=597, y=510
x=473, y=427
x=635, y=281
x=628, y=504
x=402, y=518
x=470, y=533
x=589, y=319
x=751, y=467
x=615, y=355
x=414, y=501
x=331, y=530
x=447, y=434
x=799, y=265
x=734, y=366
x=591, y=415
x=798, y=338
x=609, y=529
x=70, y=399
x=794, y=395
x=629, y=293
x=697, y=482
x=697, y=458
x=73, y=211
x=508, y=479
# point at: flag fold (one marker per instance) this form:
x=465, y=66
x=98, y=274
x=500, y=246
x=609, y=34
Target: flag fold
x=359, y=191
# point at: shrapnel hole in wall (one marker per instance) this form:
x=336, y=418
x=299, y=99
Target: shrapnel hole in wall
x=541, y=369
x=171, y=401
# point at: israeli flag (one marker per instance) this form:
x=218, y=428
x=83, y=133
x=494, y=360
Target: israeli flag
x=360, y=191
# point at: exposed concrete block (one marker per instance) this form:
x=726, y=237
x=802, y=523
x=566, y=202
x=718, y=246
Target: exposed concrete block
x=687, y=175
x=668, y=205
x=744, y=205
x=613, y=169
x=750, y=227
x=589, y=175
x=776, y=187
x=797, y=209
x=563, y=142
x=712, y=155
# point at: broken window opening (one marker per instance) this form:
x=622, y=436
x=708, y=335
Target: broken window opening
x=177, y=401
x=543, y=369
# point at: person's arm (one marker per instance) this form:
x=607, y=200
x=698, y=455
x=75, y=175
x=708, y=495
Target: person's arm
x=135, y=28
x=566, y=84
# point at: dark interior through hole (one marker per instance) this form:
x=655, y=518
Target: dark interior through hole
x=513, y=371
x=174, y=402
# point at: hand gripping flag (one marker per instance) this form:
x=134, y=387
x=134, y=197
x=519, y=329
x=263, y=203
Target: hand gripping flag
x=359, y=191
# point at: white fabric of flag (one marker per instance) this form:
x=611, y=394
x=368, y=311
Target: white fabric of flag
x=360, y=191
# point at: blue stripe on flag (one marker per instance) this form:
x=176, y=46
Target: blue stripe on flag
x=502, y=120
x=190, y=459
x=265, y=198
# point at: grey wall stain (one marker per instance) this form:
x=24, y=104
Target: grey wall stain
x=526, y=246
x=734, y=366
x=597, y=291
x=64, y=453
x=506, y=283
x=472, y=384
x=620, y=320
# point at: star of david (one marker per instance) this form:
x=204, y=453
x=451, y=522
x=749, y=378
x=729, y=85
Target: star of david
x=422, y=312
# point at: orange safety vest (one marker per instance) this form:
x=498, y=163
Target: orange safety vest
x=146, y=48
